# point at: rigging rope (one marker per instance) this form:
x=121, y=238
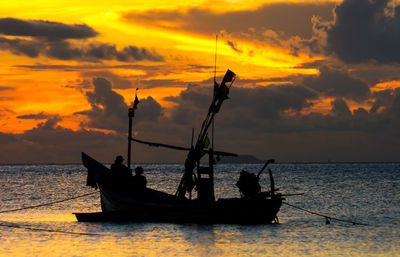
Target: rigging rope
x=50, y=203
x=48, y=230
x=328, y=218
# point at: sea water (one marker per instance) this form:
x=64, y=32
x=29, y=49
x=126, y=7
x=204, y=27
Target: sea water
x=360, y=192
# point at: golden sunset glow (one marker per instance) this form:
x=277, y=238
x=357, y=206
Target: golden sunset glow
x=309, y=87
x=49, y=88
x=69, y=67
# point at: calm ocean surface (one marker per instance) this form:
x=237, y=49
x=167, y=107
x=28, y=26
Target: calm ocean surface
x=363, y=192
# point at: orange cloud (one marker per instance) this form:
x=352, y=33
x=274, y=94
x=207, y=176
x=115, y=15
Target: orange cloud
x=385, y=86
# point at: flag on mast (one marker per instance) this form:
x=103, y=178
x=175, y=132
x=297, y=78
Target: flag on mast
x=223, y=90
x=229, y=75
x=136, y=102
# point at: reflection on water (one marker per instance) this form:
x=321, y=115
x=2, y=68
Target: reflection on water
x=363, y=192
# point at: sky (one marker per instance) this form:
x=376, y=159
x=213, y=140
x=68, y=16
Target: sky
x=316, y=81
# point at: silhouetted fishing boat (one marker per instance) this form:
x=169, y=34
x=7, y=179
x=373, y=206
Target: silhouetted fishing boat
x=120, y=203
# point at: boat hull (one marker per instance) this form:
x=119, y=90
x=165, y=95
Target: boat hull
x=234, y=212
x=157, y=206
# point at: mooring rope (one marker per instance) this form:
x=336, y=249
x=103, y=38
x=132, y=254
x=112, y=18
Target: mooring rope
x=48, y=230
x=328, y=218
x=50, y=203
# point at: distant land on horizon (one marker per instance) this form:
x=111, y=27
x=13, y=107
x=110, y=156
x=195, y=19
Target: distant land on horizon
x=245, y=158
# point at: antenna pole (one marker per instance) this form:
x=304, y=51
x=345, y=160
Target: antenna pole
x=215, y=83
x=215, y=59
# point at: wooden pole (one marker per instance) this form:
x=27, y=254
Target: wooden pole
x=215, y=74
x=215, y=59
x=192, y=138
x=131, y=114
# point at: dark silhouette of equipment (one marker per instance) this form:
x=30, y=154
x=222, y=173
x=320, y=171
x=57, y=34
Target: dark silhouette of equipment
x=265, y=165
x=248, y=184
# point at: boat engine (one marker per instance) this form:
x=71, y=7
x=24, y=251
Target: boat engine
x=248, y=185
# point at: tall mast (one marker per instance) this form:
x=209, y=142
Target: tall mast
x=188, y=182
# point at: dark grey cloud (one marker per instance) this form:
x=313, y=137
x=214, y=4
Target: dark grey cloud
x=45, y=29
x=6, y=88
x=4, y=111
x=28, y=48
x=64, y=50
x=335, y=83
x=109, y=111
x=234, y=46
x=37, y=116
x=269, y=121
x=99, y=51
x=360, y=113
x=340, y=108
x=191, y=105
x=279, y=109
x=365, y=30
x=154, y=83
x=252, y=104
x=79, y=84
x=50, y=143
x=264, y=121
x=382, y=98
x=118, y=82
x=133, y=53
x=295, y=79
x=6, y=98
x=6, y=138
x=150, y=110
x=290, y=18
x=52, y=39
x=374, y=73
x=370, y=73
x=312, y=65
x=269, y=102
x=94, y=66
x=388, y=103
